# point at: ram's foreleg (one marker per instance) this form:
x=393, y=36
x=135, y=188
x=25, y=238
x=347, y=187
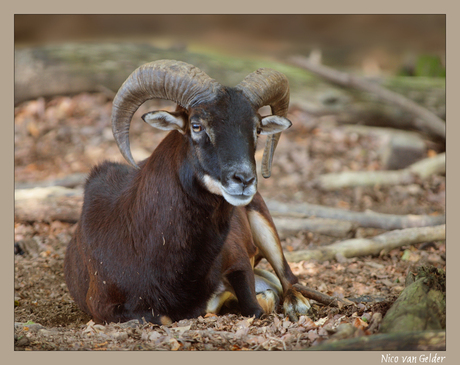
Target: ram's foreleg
x=256, y=292
x=267, y=241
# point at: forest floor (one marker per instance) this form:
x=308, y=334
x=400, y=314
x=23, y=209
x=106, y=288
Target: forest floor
x=67, y=135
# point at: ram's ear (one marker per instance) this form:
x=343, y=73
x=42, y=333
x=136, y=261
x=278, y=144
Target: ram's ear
x=165, y=120
x=274, y=124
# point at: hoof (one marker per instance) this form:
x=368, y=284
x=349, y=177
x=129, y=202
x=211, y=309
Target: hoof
x=295, y=305
x=256, y=312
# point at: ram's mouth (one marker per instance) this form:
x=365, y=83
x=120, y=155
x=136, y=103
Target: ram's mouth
x=238, y=195
x=237, y=200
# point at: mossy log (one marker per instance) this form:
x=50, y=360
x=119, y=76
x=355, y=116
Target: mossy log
x=88, y=67
x=422, y=304
x=401, y=341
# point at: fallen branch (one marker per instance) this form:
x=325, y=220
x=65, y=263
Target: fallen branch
x=402, y=341
x=371, y=246
x=366, y=219
x=423, y=168
x=48, y=204
x=330, y=227
x=286, y=227
x=69, y=181
x=59, y=203
x=426, y=119
x=320, y=297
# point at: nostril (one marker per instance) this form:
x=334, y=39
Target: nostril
x=243, y=178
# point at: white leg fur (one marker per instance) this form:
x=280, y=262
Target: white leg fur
x=294, y=303
x=217, y=301
x=266, y=241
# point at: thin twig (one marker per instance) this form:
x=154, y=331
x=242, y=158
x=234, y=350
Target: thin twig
x=316, y=295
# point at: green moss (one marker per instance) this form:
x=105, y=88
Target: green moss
x=431, y=66
x=421, y=306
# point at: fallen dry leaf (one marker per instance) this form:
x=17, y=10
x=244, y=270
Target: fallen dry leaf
x=312, y=335
x=321, y=321
x=360, y=324
x=175, y=345
x=210, y=315
x=181, y=329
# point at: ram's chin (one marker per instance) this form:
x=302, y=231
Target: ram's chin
x=237, y=200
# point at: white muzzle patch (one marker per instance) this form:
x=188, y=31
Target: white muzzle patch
x=216, y=187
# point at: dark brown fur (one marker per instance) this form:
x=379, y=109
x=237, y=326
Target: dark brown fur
x=154, y=242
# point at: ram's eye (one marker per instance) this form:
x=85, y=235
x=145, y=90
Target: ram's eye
x=259, y=130
x=196, y=127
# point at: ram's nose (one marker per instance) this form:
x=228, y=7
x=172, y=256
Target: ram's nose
x=243, y=178
x=239, y=185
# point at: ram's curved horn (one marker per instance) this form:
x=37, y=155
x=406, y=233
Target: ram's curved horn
x=267, y=87
x=177, y=81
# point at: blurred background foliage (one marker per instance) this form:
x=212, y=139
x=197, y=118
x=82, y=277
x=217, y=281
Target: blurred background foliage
x=406, y=45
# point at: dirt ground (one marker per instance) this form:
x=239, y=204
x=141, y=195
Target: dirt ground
x=67, y=135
